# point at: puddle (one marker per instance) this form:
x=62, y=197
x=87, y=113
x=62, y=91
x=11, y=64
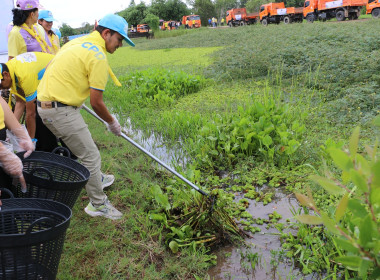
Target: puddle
x=172, y=156
x=231, y=261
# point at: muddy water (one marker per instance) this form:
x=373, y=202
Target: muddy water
x=172, y=156
x=231, y=261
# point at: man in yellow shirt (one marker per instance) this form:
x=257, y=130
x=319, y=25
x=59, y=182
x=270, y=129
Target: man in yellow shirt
x=23, y=73
x=80, y=70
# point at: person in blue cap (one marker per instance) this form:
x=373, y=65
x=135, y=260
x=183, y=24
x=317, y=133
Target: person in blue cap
x=80, y=70
x=45, y=19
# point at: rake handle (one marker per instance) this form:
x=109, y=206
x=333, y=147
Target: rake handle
x=149, y=154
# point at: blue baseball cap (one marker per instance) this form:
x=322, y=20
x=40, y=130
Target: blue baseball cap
x=118, y=24
x=46, y=15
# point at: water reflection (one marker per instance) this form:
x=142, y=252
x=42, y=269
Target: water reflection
x=173, y=156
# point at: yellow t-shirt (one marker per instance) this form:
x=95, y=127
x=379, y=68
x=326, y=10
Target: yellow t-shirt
x=80, y=65
x=2, y=121
x=17, y=44
x=27, y=70
x=54, y=40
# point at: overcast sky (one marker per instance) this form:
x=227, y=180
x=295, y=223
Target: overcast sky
x=75, y=12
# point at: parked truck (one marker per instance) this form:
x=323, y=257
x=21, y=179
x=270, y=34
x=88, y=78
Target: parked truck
x=276, y=13
x=373, y=7
x=324, y=9
x=240, y=17
x=194, y=21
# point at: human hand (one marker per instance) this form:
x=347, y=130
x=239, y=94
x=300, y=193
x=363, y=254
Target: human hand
x=24, y=140
x=114, y=127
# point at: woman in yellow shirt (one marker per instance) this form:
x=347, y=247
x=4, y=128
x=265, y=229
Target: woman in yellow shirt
x=26, y=36
x=45, y=19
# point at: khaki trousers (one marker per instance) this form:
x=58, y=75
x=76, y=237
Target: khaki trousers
x=67, y=123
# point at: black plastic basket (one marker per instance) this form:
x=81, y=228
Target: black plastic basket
x=52, y=176
x=32, y=234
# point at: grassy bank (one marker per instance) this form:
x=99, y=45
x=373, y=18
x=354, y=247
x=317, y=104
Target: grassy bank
x=262, y=105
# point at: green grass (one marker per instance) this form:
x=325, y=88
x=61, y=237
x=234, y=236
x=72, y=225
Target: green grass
x=132, y=58
x=328, y=74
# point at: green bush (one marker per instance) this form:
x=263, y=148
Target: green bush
x=266, y=130
x=161, y=86
x=355, y=220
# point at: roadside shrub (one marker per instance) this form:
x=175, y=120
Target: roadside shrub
x=160, y=86
x=354, y=221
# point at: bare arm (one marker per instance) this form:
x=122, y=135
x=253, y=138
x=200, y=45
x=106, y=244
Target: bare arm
x=10, y=120
x=30, y=118
x=20, y=105
x=97, y=103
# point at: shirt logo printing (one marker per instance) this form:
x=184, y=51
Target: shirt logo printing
x=27, y=57
x=91, y=47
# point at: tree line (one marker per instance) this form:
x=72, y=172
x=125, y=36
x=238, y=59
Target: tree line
x=175, y=9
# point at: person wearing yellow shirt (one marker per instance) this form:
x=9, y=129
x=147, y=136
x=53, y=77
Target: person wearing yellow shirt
x=45, y=19
x=26, y=36
x=25, y=72
x=78, y=71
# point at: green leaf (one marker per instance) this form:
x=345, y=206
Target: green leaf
x=329, y=223
x=308, y=219
x=341, y=159
x=327, y=184
x=376, y=121
x=346, y=245
x=267, y=141
x=173, y=246
x=352, y=262
x=304, y=200
x=376, y=176
x=366, y=229
x=157, y=217
x=375, y=197
x=363, y=269
x=357, y=208
x=354, y=140
x=163, y=200
x=362, y=164
x=359, y=180
x=341, y=209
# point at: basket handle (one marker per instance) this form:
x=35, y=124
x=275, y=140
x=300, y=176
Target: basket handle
x=43, y=169
x=39, y=221
x=8, y=192
x=61, y=151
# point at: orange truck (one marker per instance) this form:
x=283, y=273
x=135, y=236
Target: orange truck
x=276, y=13
x=142, y=28
x=239, y=16
x=341, y=9
x=373, y=7
x=194, y=21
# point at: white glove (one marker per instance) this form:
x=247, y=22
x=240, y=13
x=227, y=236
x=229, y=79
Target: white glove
x=12, y=165
x=24, y=141
x=114, y=127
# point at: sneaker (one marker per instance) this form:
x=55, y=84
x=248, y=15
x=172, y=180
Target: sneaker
x=107, y=180
x=106, y=210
